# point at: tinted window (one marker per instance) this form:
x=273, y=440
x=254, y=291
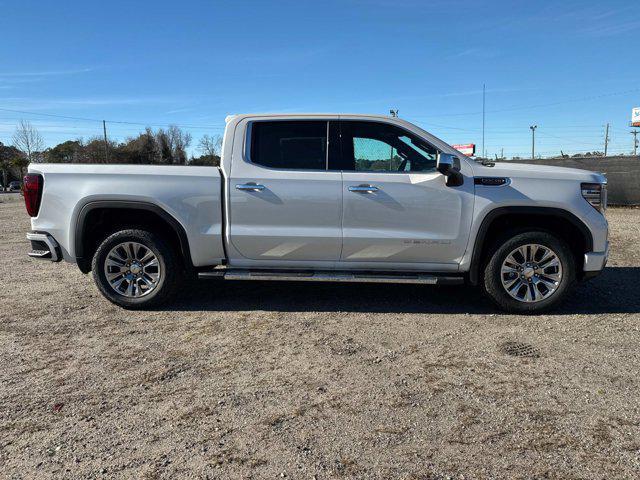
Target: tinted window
x=299, y=145
x=380, y=147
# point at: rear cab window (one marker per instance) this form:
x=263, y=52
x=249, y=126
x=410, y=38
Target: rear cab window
x=289, y=144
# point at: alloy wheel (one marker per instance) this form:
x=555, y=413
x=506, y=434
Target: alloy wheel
x=132, y=269
x=531, y=273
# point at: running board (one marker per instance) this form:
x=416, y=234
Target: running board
x=292, y=276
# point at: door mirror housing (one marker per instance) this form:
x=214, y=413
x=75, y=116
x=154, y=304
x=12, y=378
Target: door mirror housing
x=447, y=165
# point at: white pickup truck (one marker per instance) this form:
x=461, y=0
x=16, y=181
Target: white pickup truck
x=320, y=197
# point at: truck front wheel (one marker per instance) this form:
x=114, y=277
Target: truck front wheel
x=530, y=272
x=135, y=269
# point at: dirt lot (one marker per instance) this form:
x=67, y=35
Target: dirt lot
x=259, y=380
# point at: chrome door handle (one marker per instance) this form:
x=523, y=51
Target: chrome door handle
x=250, y=187
x=363, y=189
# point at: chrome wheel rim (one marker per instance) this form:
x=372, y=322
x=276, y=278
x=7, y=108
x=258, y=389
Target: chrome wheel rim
x=132, y=269
x=531, y=273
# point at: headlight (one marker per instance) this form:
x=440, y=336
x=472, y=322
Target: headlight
x=596, y=195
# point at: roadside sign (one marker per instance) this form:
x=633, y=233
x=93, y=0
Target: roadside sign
x=469, y=149
x=635, y=117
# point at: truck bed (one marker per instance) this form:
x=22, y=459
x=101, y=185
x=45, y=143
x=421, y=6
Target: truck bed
x=191, y=195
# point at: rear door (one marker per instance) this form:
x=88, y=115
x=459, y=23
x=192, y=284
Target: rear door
x=284, y=204
x=397, y=210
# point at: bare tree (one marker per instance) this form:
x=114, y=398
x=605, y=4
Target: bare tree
x=179, y=141
x=28, y=140
x=210, y=146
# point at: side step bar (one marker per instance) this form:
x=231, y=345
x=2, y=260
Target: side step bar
x=307, y=276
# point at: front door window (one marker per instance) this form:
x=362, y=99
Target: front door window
x=380, y=147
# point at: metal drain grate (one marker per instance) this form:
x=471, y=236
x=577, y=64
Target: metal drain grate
x=519, y=349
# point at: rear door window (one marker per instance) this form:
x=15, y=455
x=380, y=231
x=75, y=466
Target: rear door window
x=291, y=145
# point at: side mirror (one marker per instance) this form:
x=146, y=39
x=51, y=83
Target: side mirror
x=446, y=165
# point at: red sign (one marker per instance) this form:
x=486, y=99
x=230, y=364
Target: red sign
x=469, y=149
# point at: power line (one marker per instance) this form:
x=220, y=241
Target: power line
x=50, y=115
x=483, y=112
x=540, y=105
x=507, y=130
x=566, y=139
x=122, y=122
x=504, y=131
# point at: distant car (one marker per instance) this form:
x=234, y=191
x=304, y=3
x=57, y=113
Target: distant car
x=14, y=186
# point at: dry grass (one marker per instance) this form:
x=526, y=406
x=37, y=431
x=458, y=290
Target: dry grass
x=255, y=380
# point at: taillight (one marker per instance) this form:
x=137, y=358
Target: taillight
x=32, y=186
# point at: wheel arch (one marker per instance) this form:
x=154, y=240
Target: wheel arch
x=554, y=220
x=96, y=218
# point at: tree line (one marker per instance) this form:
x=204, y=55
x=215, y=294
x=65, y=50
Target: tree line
x=160, y=147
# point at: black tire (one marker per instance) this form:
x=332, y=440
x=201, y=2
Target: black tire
x=171, y=271
x=492, y=281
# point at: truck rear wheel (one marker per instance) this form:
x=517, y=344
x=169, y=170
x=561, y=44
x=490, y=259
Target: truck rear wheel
x=530, y=272
x=136, y=269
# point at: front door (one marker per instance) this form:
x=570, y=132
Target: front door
x=284, y=204
x=397, y=210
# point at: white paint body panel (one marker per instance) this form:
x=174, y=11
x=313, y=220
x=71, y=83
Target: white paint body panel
x=189, y=194
x=295, y=218
x=537, y=186
x=412, y=218
x=309, y=219
x=413, y=222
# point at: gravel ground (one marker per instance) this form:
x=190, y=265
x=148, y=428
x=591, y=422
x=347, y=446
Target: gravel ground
x=272, y=380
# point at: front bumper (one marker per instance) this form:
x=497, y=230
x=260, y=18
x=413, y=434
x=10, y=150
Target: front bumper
x=44, y=247
x=594, y=262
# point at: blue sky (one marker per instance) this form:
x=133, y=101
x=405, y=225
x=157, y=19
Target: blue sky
x=569, y=67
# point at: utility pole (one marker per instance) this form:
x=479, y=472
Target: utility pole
x=606, y=140
x=394, y=113
x=533, y=141
x=106, y=144
x=635, y=141
x=484, y=96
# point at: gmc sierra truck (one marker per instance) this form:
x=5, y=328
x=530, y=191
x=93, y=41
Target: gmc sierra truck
x=320, y=197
